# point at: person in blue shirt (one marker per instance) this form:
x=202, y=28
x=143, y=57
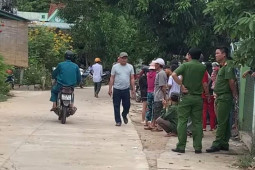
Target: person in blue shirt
x=66, y=74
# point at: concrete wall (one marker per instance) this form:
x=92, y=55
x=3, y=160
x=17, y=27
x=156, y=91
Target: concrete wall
x=14, y=42
x=247, y=110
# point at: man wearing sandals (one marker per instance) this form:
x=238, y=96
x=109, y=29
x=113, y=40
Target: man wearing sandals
x=159, y=90
x=68, y=74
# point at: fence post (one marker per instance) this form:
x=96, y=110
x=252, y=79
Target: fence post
x=253, y=125
x=21, y=76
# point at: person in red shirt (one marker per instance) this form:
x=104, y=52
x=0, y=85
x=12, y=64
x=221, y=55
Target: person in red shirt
x=208, y=103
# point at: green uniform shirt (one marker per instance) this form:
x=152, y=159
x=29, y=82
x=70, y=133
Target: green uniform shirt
x=225, y=73
x=192, y=73
x=170, y=114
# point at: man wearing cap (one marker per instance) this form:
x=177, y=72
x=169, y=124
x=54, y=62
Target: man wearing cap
x=97, y=71
x=191, y=103
x=122, y=76
x=159, y=90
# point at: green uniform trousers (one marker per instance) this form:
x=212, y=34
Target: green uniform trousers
x=224, y=105
x=190, y=106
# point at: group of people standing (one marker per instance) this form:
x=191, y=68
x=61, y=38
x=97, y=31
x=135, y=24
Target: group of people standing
x=181, y=95
x=172, y=96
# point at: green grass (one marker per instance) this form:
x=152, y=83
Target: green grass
x=245, y=162
x=3, y=98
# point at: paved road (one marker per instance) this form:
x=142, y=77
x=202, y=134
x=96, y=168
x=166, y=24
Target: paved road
x=31, y=137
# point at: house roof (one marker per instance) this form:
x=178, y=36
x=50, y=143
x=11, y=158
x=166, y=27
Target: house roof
x=52, y=25
x=12, y=16
x=33, y=16
x=54, y=7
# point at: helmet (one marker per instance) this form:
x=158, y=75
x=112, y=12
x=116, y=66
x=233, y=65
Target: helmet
x=97, y=60
x=69, y=55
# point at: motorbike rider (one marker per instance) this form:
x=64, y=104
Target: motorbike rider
x=66, y=74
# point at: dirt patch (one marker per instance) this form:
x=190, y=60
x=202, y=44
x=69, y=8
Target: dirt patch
x=154, y=143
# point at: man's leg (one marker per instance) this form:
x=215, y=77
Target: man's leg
x=54, y=95
x=212, y=113
x=116, y=105
x=184, y=110
x=150, y=99
x=205, y=104
x=125, y=96
x=98, y=88
x=196, y=117
x=95, y=88
x=224, y=105
x=166, y=125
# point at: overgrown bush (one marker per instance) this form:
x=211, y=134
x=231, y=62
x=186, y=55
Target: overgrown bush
x=4, y=89
x=46, y=49
x=35, y=73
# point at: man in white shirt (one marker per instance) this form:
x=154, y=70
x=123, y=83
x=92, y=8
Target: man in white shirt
x=97, y=71
x=173, y=86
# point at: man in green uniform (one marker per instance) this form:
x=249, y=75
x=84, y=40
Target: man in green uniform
x=225, y=89
x=169, y=118
x=191, y=103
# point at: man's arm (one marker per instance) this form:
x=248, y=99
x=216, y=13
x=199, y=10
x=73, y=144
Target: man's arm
x=205, y=84
x=176, y=78
x=101, y=71
x=232, y=85
x=111, y=84
x=55, y=72
x=132, y=82
x=163, y=88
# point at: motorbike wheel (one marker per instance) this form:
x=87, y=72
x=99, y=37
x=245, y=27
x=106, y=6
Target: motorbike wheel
x=64, y=114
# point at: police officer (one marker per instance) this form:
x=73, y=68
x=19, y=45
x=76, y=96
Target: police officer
x=225, y=89
x=191, y=103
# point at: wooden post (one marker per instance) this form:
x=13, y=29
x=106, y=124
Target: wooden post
x=21, y=76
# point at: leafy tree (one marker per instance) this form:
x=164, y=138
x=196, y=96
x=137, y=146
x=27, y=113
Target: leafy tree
x=48, y=45
x=177, y=24
x=46, y=50
x=236, y=19
x=102, y=30
x=33, y=5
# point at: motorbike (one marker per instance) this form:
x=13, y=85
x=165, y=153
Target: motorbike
x=65, y=99
x=106, y=77
x=10, y=81
x=84, y=75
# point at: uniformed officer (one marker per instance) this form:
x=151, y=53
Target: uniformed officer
x=191, y=104
x=225, y=89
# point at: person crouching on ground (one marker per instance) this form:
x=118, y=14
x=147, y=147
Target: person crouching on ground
x=168, y=120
